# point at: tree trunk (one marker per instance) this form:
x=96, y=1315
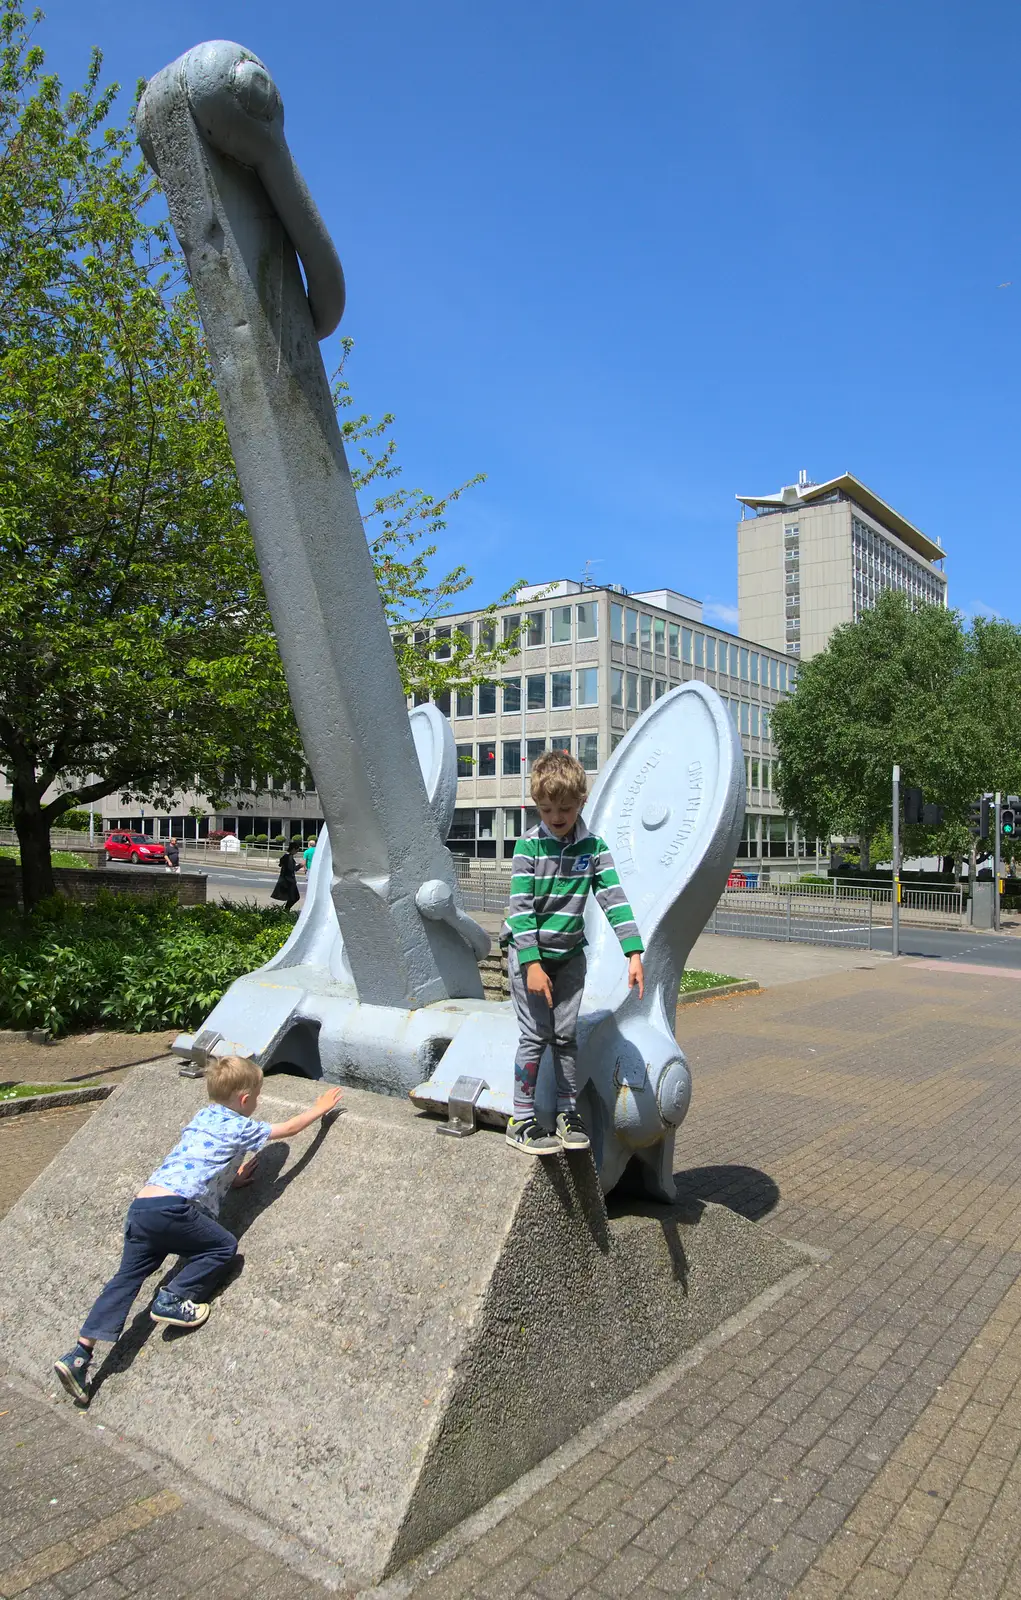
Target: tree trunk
x=32, y=826
x=864, y=854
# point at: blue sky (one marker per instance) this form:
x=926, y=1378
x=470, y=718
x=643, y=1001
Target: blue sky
x=631, y=261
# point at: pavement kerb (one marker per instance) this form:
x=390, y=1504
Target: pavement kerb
x=467, y=1533
x=742, y=986
x=60, y=1097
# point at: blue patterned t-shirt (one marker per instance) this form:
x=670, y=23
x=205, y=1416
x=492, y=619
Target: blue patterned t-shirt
x=205, y=1160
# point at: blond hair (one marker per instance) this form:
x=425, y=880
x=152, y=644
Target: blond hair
x=227, y=1076
x=558, y=778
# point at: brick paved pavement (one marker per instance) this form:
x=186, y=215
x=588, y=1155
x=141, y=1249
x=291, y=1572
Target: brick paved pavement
x=860, y=1438
x=29, y=1142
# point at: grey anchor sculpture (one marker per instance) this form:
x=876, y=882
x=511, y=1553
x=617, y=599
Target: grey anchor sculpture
x=379, y=983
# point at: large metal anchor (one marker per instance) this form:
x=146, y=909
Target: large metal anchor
x=379, y=983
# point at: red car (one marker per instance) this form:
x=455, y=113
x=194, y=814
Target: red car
x=133, y=847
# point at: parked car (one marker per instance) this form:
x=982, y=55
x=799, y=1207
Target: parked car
x=133, y=847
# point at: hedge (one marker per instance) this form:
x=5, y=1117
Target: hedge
x=137, y=965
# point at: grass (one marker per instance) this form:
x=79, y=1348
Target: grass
x=704, y=980
x=60, y=858
x=21, y=1091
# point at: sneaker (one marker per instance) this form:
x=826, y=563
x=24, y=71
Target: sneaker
x=73, y=1372
x=178, y=1313
x=530, y=1137
x=571, y=1131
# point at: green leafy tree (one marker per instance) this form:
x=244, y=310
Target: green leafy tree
x=897, y=686
x=137, y=652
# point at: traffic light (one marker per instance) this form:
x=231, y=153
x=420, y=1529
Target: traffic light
x=912, y=805
x=932, y=816
x=1008, y=822
x=978, y=817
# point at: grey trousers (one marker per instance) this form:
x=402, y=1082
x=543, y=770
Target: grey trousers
x=539, y=1026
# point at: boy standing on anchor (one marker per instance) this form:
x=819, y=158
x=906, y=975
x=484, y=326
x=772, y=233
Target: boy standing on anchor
x=555, y=867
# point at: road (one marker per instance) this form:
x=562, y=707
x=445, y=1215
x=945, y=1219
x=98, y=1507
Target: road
x=225, y=883
x=931, y=944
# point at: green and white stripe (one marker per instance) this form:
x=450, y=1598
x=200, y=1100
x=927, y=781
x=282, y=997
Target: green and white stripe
x=550, y=881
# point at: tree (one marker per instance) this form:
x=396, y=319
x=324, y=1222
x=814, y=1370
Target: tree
x=897, y=686
x=137, y=652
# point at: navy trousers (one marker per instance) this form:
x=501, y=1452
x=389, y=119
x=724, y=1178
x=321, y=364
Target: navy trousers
x=161, y=1226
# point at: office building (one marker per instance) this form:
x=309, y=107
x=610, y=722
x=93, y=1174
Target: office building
x=816, y=555
x=590, y=661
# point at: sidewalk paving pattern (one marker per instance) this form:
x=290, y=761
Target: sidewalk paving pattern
x=860, y=1438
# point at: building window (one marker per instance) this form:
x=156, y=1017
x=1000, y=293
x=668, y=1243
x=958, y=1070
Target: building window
x=686, y=645
x=744, y=666
x=616, y=623
x=560, y=625
x=755, y=722
x=646, y=693
x=442, y=644
x=487, y=824
x=675, y=641
x=615, y=739
x=588, y=686
x=465, y=701
x=781, y=668
x=442, y=702
x=560, y=690
x=632, y=691
x=659, y=635
x=535, y=628
x=463, y=635
x=487, y=634
x=512, y=823
x=660, y=688
x=710, y=654
x=487, y=699
x=588, y=751
x=511, y=758
x=462, y=825
x=588, y=619
x=511, y=696
x=487, y=760
x=754, y=775
x=511, y=624
x=533, y=750
x=645, y=625
x=536, y=692
x=700, y=649
x=733, y=661
x=765, y=722
x=745, y=708
x=421, y=698
x=631, y=627
x=769, y=676
x=754, y=661
x=561, y=741
x=616, y=687
x=465, y=764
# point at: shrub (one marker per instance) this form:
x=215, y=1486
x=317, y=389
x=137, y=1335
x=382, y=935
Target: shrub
x=126, y=963
x=258, y=838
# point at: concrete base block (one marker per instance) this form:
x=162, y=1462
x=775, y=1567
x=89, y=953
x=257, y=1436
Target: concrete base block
x=418, y=1321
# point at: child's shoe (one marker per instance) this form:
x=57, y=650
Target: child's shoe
x=531, y=1138
x=178, y=1313
x=73, y=1372
x=571, y=1131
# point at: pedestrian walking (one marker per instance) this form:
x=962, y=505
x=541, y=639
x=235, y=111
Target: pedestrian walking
x=286, y=886
x=172, y=856
x=310, y=851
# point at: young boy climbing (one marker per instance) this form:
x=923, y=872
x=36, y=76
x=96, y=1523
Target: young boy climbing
x=175, y=1213
x=555, y=867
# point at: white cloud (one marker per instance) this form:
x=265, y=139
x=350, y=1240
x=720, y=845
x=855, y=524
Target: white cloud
x=978, y=608
x=718, y=611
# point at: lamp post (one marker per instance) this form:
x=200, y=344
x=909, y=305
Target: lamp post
x=895, y=884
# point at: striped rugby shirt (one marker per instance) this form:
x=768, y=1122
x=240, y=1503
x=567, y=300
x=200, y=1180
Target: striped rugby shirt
x=550, y=881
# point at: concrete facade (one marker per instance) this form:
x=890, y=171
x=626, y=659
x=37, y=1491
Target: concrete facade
x=815, y=556
x=591, y=661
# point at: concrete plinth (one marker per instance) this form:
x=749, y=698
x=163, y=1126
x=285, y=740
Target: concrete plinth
x=419, y=1320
